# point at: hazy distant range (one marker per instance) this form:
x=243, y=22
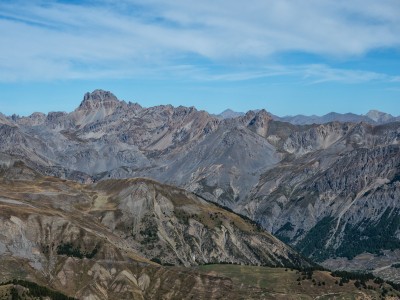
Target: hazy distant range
x=374, y=117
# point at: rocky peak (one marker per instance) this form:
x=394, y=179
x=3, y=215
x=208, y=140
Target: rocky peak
x=257, y=121
x=96, y=106
x=97, y=99
x=181, y=111
x=258, y=113
x=263, y=114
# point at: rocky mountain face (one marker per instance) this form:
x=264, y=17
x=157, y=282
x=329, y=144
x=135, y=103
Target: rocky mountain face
x=338, y=197
x=180, y=146
x=330, y=190
x=106, y=240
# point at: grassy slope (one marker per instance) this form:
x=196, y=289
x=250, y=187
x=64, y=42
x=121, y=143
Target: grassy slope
x=282, y=283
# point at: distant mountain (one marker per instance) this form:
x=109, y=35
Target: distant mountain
x=229, y=114
x=373, y=117
x=331, y=117
x=380, y=117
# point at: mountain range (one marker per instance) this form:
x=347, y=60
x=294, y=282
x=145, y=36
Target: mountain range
x=327, y=186
x=373, y=117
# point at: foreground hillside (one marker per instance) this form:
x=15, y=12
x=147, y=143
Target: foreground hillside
x=329, y=190
x=107, y=240
x=139, y=239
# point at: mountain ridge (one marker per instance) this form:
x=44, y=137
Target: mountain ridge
x=373, y=116
x=105, y=99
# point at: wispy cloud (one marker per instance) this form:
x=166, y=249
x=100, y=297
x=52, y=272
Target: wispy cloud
x=323, y=73
x=307, y=74
x=49, y=40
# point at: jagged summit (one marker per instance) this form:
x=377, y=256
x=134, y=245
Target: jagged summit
x=257, y=121
x=98, y=98
x=99, y=95
x=96, y=106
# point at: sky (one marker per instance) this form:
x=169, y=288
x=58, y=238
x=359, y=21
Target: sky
x=286, y=56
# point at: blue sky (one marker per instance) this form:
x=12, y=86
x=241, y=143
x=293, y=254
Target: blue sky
x=287, y=56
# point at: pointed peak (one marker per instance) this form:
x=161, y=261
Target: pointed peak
x=229, y=114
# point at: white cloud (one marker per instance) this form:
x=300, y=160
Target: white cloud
x=50, y=40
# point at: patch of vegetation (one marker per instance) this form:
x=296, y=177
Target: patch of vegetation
x=14, y=293
x=280, y=233
x=364, y=237
x=361, y=280
x=150, y=232
x=69, y=250
x=35, y=290
x=375, y=236
x=346, y=276
x=395, y=178
x=156, y=260
x=287, y=227
x=182, y=216
x=220, y=263
x=245, y=218
x=313, y=244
